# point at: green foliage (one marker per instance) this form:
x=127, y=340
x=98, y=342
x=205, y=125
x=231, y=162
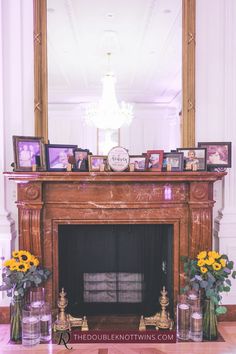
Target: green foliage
x=17, y=280
x=210, y=273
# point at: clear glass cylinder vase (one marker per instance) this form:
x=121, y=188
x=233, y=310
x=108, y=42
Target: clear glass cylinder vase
x=210, y=331
x=183, y=318
x=16, y=306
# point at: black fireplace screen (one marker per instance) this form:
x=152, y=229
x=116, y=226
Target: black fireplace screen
x=115, y=268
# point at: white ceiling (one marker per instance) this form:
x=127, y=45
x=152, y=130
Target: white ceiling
x=144, y=37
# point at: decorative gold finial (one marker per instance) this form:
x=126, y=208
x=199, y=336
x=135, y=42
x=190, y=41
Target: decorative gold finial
x=84, y=326
x=142, y=326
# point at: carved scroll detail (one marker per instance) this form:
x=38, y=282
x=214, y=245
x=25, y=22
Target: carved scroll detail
x=32, y=192
x=200, y=191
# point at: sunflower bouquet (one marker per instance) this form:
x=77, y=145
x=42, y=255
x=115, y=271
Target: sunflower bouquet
x=21, y=272
x=210, y=273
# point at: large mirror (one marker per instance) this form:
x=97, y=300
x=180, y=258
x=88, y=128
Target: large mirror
x=152, y=46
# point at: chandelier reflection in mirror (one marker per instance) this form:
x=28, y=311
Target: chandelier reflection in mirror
x=108, y=113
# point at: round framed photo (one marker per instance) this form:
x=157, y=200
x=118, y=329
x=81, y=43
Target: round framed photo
x=118, y=159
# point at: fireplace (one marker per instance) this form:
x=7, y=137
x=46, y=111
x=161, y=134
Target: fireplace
x=49, y=200
x=115, y=269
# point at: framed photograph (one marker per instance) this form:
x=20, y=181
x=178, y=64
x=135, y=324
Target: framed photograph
x=218, y=154
x=173, y=159
x=28, y=151
x=81, y=159
x=138, y=162
x=57, y=156
x=97, y=163
x=154, y=160
x=194, y=158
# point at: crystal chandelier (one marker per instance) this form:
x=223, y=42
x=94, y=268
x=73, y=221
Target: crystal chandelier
x=108, y=113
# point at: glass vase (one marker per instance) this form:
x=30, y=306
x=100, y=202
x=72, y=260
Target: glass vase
x=16, y=318
x=210, y=331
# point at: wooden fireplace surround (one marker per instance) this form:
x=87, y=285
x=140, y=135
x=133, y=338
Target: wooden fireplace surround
x=47, y=199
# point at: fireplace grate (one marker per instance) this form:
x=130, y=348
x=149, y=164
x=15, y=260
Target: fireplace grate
x=113, y=287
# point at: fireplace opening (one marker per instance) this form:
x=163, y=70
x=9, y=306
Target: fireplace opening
x=115, y=269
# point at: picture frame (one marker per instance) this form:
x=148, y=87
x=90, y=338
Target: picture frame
x=97, y=163
x=58, y=155
x=81, y=159
x=218, y=154
x=154, y=160
x=173, y=159
x=194, y=158
x=29, y=153
x=138, y=162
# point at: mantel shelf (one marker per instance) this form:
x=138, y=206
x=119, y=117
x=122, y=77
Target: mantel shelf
x=115, y=176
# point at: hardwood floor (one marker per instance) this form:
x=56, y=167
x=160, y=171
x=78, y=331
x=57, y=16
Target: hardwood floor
x=228, y=346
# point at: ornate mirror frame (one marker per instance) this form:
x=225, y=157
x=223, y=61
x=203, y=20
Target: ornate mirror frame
x=188, y=71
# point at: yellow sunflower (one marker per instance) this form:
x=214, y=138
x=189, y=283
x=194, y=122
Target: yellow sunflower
x=203, y=269
x=202, y=255
x=201, y=262
x=24, y=256
x=214, y=254
x=216, y=266
x=22, y=267
x=223, y=262
x=34, y=261
x=210, y=261
x=9, y=262
x=13, y=266
x=15, y=254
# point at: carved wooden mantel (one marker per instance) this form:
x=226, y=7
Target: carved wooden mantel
x=48, y=199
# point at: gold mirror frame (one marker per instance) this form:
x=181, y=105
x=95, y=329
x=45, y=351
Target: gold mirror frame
x=188, y=71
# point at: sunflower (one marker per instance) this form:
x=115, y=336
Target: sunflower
x=24, y=256
x=202, y=255
x=210, y=261
x=201, y=263
x=22, y=267
x=204, y=269
x=13, y=267
x=34, y=261
x=223, y=262
x=8, y=263
x=216, y=266
x=214, y=254
x=15, y=254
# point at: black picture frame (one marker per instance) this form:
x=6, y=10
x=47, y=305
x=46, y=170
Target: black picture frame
x=57, y=156
x=194, y=158
x=28, y=151
x=175, y=159
x=218, y=154
x=81, y=160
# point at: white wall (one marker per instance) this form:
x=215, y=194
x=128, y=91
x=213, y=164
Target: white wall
x=216, y=108
x=16, y=106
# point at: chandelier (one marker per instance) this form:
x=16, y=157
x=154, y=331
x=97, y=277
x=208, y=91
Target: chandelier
x=107, y=113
